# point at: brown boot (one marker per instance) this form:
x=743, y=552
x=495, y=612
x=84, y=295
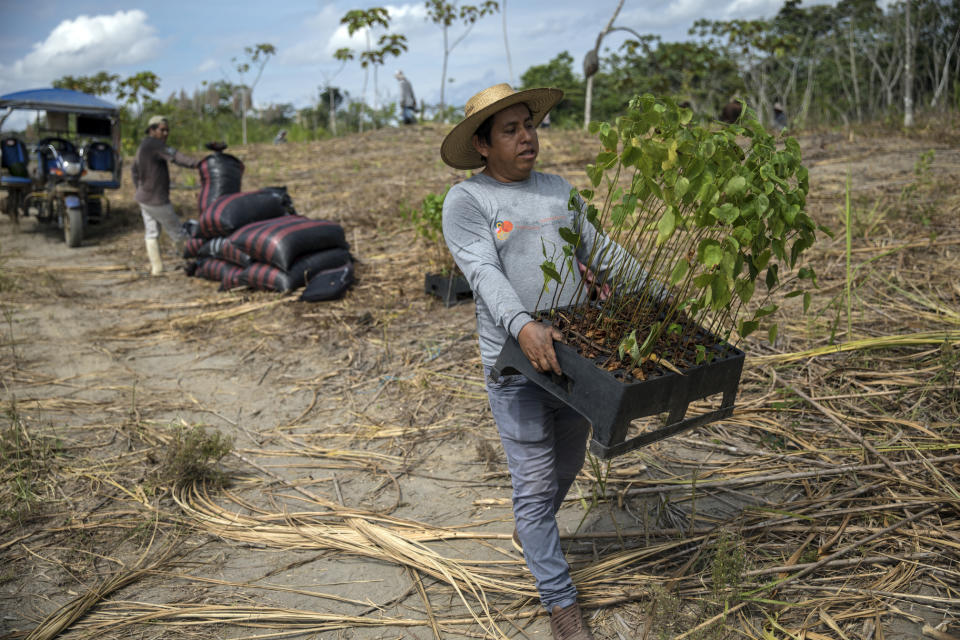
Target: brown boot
x=568, y=624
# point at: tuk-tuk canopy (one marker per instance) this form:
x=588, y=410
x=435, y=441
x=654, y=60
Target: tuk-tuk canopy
x=59, y=100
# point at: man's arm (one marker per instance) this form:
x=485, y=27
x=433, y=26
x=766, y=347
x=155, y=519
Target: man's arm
x=178, y=158
x=471, y=244
x=611, y=263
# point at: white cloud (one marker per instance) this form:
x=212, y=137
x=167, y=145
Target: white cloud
x=207, y=65
x=84, y=45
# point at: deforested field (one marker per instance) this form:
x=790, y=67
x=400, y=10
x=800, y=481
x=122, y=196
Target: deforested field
x=179, y=462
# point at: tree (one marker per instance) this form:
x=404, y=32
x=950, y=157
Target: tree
x=389, y=44
x=445, y=14
x=558, y=73
x=908, y=72
x=591, y=62
x=134, y=89
x=99, y=84
x=343, y=55
x=506, y=41
x=256, y=57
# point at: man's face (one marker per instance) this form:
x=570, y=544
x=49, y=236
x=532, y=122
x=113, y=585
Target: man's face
x=161, y=132
x=513, y=146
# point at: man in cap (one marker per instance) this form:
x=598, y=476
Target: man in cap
x=497, y=225
x=151, y=178
x=408, y=103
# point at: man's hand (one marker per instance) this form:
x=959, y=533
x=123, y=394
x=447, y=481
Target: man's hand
x=536, y=341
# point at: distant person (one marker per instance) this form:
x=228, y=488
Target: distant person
x=281, y=137
x=731, y=112
x=545, y=123
x=779, y=116
x=151, y=178
x=408, y=103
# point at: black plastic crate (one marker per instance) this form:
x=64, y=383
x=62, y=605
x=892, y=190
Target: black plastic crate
x=611, y=404
x=451, y=288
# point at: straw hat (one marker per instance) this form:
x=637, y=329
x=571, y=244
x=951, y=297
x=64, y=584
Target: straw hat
x=457, y=148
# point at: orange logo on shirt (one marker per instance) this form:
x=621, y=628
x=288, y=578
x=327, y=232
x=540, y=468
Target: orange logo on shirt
x=504, y=227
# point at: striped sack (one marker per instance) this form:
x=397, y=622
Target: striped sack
x=282, y=241
x=267, y=277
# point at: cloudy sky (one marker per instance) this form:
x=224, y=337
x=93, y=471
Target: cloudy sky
x=186, y=43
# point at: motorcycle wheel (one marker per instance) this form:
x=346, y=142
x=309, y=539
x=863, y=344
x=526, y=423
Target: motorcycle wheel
x=73, y=226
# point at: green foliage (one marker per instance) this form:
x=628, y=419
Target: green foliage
x=559, y=73
x=99, y=84
x=192, y=456
x=389, y=44
x=726, y=568
x=694, y=72
x=445, y=14
x=709, y=224
x=427, y=221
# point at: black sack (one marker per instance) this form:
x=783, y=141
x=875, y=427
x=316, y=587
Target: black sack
x=220, y=175
x=230, y=212
x=227, y=274
x=268, y=277
x=223, y=249
x=192, y=246
x=282, y=241
x=329, y=285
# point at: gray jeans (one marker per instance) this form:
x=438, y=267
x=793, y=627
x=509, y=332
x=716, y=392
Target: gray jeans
x=545, y=442
x=165, y=215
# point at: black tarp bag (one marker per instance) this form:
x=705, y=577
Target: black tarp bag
x=268, y=277
x=220, y=175
x=230, y=212
x=282, y=241
x=223, y=249
x=226, y=273
x=191, y=247
x=330, y=284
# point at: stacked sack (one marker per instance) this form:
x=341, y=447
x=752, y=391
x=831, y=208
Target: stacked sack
x=256, y=238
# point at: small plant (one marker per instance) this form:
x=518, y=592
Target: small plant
x=428, y=223
x=920, y=211
x=713, y=230
x=26, y=462
x=192, y=456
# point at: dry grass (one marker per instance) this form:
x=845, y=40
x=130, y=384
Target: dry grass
x=825, y=507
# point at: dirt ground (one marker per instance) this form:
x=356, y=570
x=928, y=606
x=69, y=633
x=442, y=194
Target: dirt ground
x=366, y=494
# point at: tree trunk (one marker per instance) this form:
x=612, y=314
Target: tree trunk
x=840, y=74
x=243, y=113
x=443, y=76
x=945, y=74
x=908, y=73
x=588, y=103
x=506, y=43
x=366, y=78
x=807, y=92
x=333, y=114
x=853, y=72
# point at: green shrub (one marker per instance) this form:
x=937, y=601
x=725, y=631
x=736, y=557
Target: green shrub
x=193, y=456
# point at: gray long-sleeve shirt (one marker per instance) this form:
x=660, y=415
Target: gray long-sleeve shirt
x=498, y=233
x=150, y=173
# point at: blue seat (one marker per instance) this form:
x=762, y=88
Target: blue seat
x=15, y=159
x=100, y=156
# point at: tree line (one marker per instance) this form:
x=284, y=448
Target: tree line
x=825, y=65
